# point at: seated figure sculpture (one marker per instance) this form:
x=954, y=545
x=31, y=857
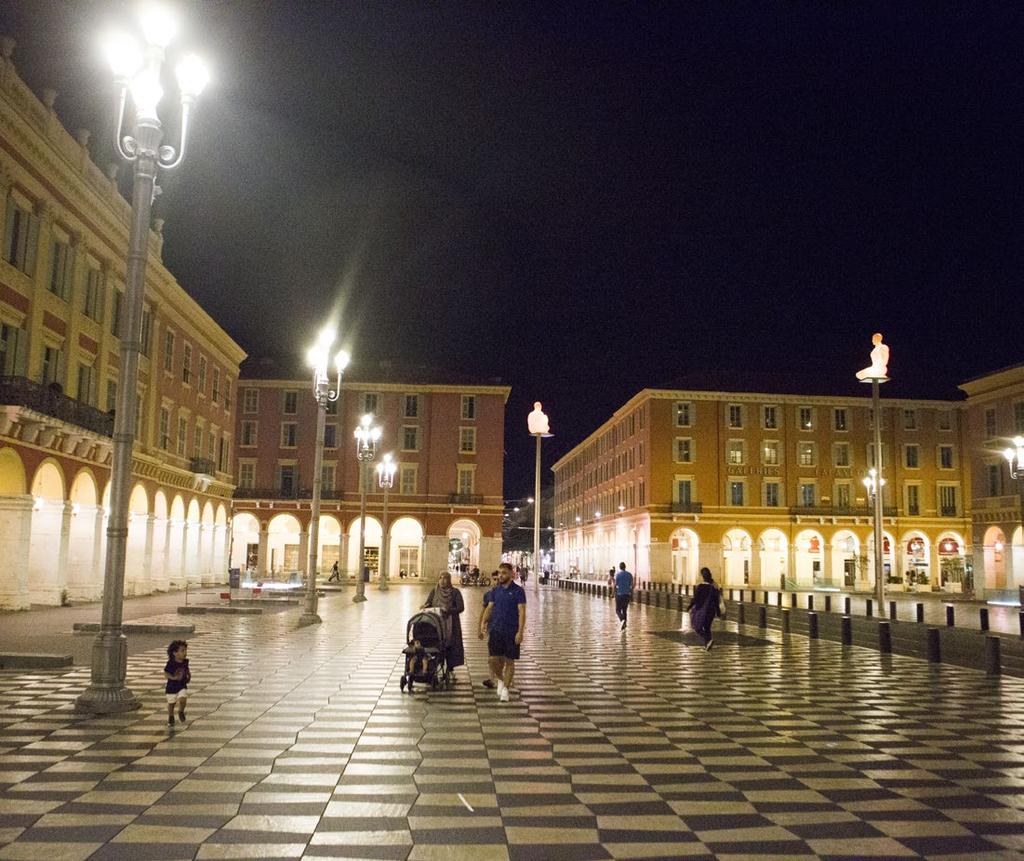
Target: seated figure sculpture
x=879, y=368
x=537, y=421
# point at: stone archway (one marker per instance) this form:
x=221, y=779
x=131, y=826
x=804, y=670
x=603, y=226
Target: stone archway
x=406, y=549
x=774, y=549
x=48, y=544
x=685, y=550
x=736, y=558
x=371, y=546
x=15, y=531
x=284, y=545
x=463, y=545
x=954, y=575
x=139, y=544
x=85, y=539
x=809, y=560
x=994, y=558
x=849, y=569
x=915, y=565
x=245, y=544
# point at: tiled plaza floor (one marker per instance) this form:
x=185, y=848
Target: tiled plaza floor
x=617, y=745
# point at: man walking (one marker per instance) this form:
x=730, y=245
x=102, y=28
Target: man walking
x=623, y=593
x=504, y=623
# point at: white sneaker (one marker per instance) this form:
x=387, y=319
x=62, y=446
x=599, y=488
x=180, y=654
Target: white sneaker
x=503, y=694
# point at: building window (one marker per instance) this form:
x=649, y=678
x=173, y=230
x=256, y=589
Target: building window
x=286, y=480
x=145, y=337
x=843, y=497
x=805, y=418
x=913, y=500
x=910, y=420
x=841, y=454
x=52, y=371
x=948, y=501
x=111, y=395
x=770, y=417
x=291, y=403
x=871, y=455
x=806, y=453
x=21, y=236
x=911, y=457
x=1018, y=418
x=116, y=312
x=412, y=406
x=944, y=420
x=227, y=393
x=289, y=434
x=839, y=419
x=224, y=455
x=684, y=450
x=247, y=475
x=215, y=392
x=86, y=384
x=735, y=415
x=327, y=478
x=465, y=479
x=736, y=492
x=410, y=438
x=92, y=305
x=771, y=494
x=369, y=403
x=201, y=376
x=165, y=428
x=330, y=436
x=990, y=424
x=186, y=364
x=248, y=433
x=806, y=493
x=468, y=406
x=683, y=491
x=467, y=440
x=197, y=440
x=995, y=479
x=12, y=350
x=684, y=414
x=736, y=452
x=770, y=452
x=169, y=350
x=407, y=481
x=250, y=400
x=945, y=457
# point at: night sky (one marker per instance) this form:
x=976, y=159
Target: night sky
x=588, y=199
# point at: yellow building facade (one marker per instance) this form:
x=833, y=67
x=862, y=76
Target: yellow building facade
x=767, y=491
x=64, y=228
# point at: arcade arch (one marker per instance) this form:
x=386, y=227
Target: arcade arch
x=994, y=558
x=406, y=549
x=284, y=537
x=774, y=550
x=463, y=544
x=685, y=544
x=371, y=546
x=736, y=557
x=809, y=559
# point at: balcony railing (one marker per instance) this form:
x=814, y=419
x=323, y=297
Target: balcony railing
x=843, y=510
x=465, y=499
x=22, y=392
x=282, y=493
x=687, y=507
x=948, y=511
x=202, y=466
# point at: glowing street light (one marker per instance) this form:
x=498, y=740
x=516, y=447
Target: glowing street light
x=367, y=436
x=385, y=481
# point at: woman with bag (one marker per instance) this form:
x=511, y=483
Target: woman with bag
x=448, y=600
x=706, y=604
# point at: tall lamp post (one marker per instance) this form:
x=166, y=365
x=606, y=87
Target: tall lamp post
x=323, y=393
x=873, y=483
x=537, y=423
x=1015, y=460
x=385, y=480
x=877, y=373
x=137, y=72
x=367, y=436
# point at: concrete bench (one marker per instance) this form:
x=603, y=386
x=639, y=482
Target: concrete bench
x=136, y=628
x=33, y=661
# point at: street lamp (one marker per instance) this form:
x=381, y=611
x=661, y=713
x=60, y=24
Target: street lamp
x=1015, y=460
x=367, y=438
x=323, y=393
x=873, y=483
x=537, y=423
x=136, y=72
x=385, y=480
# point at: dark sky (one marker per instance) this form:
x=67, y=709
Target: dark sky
x=591, y=198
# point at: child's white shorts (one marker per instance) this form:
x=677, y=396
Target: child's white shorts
x=180, y=695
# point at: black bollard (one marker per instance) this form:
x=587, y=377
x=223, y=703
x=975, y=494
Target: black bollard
x=792, y=599
x=993, y=664
x=919, y=613
x=846, y=631
x=846, y=606
x=934, y=648
x=1020, y=617
x=892, y=610
x=766, y=597
x=785, y=620
x=812, y=625
x=732, y=597
x=949, y=616
x=762, y=617
x=983, y=618
x=810, y=602
x=828, y=603
x=780, y=599
x=884, y=638
x=741, y=613
x=869, y=608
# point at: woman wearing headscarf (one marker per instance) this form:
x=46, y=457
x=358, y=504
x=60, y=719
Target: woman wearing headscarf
x=448, y=600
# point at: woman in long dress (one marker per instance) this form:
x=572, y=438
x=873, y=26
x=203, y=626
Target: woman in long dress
x=449, y=601
x=704, y=607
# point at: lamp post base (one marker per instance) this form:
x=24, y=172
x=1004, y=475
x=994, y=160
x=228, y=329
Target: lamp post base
x=107, y=693
x=383, y=585
x=358, y=599
x=308, y=618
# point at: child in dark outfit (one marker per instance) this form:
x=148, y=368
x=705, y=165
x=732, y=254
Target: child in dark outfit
x=178, y=676
x=414, y=650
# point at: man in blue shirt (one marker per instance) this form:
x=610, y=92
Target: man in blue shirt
x=504, y=623
x=623, y=592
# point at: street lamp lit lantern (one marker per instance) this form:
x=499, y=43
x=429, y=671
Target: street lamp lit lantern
x=325, y=391
x=385, y=481
x=537, y=424
x=367, y=436
x=137, y=73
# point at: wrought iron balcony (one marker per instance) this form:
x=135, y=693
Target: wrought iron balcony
x=842, y=510
x=51, y=401
x=282, y=493
x=465, y=499
x=687, y=507
x=948, y=511
x=202, y=466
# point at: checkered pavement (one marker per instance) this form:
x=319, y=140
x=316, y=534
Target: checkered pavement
x=634, y=744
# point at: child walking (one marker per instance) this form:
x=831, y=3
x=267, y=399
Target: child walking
x=178, y=676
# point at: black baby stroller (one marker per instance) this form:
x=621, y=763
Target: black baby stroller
x=427, y=635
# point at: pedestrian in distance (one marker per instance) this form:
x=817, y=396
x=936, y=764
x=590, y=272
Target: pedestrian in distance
x=623, y=593
x=705, y=606
x=504, y=623
x=335, y=574
x=178, y=676
x=611, y=578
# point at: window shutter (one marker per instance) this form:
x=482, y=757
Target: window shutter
x=30, y=246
